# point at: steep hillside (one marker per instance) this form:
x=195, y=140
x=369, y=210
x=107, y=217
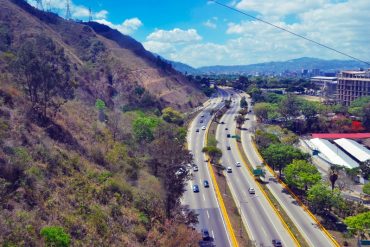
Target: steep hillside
x=122, y=61
x=82, y=137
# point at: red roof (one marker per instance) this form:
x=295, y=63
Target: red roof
x=342, y=135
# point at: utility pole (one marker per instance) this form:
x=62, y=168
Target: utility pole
x=90, y=15
x=68, y=10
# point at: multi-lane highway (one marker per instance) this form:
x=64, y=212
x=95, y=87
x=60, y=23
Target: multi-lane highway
x=305, y=224
x=262, y=222
x=204, y=202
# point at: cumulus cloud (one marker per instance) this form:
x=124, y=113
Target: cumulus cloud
x=210, y=24
x=175, y=35
x=129, y=26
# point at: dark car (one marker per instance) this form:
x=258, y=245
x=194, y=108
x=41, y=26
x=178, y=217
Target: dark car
x=206, y=184
x=197, y=130
x=201, y=121
x=228, y=148
x=226, y=128
x=205, y=234
x=222, y=122
x=276, y=243
x=228, y=135
x=195, y=188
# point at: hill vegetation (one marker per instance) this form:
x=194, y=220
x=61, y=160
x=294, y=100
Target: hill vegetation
x=82, y=132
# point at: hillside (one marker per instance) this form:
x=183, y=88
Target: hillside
x=279, y=67
x=82, y=131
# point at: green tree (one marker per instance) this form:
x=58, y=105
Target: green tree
x=264, y=139
x=213, y=152
x=240, y=120
x=366, y=189
x=243, y=103
x=301, y=174
x=243, y=111
x=366, y=117
x=100, y=105
x=143, y=128
x=172, y=116
x=279, y=155
x=365, y=169
x=357, y=106
x=55, y=236
x=322, y=198
x=228, y=103
x=262, y=110
x=44, y=72
x=358, y=223
x=289, y=107
x=333, y=174
x=309, y=111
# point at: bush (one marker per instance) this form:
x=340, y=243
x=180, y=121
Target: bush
x=55, y=236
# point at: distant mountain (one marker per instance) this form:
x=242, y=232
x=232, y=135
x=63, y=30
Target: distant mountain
x=279, y=67
x=184, y=68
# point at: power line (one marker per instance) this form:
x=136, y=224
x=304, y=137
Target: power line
x=288, y=31
x=68, y=10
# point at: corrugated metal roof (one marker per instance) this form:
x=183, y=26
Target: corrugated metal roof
x=354, y=148
x=333, y=153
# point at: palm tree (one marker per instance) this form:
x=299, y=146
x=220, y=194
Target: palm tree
x=240, y=119
x=333, y=174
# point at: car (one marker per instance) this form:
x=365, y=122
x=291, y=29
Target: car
x=201, y=121
x=229, y=170
x=206, y=184
x=195, y=168
x=228, y=135
x=203, y=127
x=226, y=128
x=205, y=234
x=202, y=116
x=228, y=148
x=251, y=191
x=237, y=164
x=276, y=243
x=195, y=188
x=197, y=130
x=222, y=122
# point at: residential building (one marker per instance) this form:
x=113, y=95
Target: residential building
x=352, y=85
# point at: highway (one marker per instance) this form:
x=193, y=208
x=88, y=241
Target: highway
x=261, y=220
x=305, y=224
x=204, y=202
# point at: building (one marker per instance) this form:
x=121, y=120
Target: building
x=327, y=85
x=352, y=85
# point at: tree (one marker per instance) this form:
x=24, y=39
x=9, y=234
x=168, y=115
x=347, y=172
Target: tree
x=358, y=223
x=172, y=116
x=262, y=110
x=240, y=120
x=333, y=175
x=289, y=107
x=301, y=174
x=264, y=139
x=309, y=111
x=213, y=152
x=55, y=236
x=100, y=105
x=366, y=189
x=365, y=169
x=243, y=103
x=366, y=117
x=227, y=103
x=143, y=128
x=279, y=155
x=322, y=199
x=44, y=73
x=168, y=158
x=243, y=111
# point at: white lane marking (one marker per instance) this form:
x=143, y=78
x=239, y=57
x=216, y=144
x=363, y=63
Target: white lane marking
x=207, y=214
x=204, y=198
x=213, y=234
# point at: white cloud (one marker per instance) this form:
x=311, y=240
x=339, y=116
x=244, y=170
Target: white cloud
x=129, y=26
x=101, y=14
x=210, y=24
x=175, y=35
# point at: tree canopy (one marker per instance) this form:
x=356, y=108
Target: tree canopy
x=322, y=198
x=172, y=116
x=301, y=174
x=359, y=222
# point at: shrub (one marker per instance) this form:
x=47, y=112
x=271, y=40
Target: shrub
x=55, y=236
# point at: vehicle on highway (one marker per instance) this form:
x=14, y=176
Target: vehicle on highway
x=195, y=168
x=251, y=191
x=228, y=135
x=222, y=122
x=202, y=116
x=195, y=188
x=228, y=148
x=205, y=234
x=237, y=164
x=276, y=243
x=203, y=127
x=206, y=184
x=229, y=170
x=197, y=130
x=226, y=128
x=201, y=121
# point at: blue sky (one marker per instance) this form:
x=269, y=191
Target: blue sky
x=200, y=33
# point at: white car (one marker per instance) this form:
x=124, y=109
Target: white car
x=203, y=127
x=251, y=191
x=195, y=168
x=237, y=164
x=229, y=170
